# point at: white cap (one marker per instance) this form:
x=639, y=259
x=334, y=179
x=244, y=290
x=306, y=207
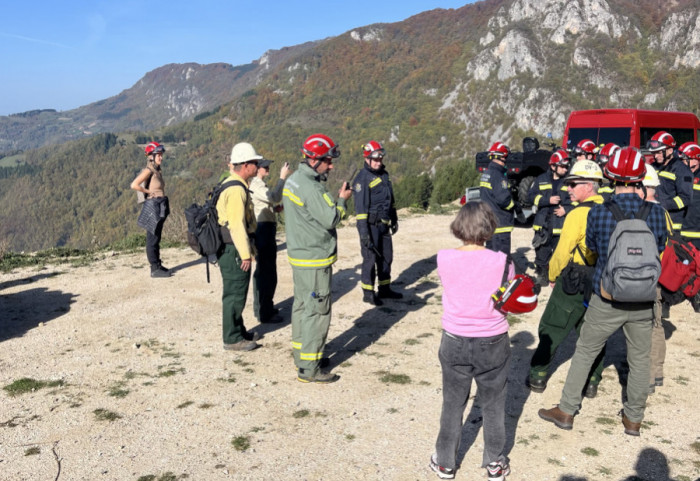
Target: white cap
x=243, y=152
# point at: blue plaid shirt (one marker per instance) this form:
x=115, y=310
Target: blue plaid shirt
x=601, y=224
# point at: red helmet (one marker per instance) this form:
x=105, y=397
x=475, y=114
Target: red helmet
x=560, y=157
x=153, y=148
x=607, y=151
x=690, y=150
x=518, y=296
x=627, y=165
x=585, y=146
x=373, y=150
x=661, y=141
x=499, y=149
x=318, y=146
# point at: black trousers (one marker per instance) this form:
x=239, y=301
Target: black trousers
x=153, y=244
x=265, y=277
x=373, y=264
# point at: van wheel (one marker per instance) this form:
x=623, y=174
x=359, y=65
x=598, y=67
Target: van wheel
x=523, y=188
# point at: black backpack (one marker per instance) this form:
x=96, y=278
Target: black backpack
x=203, y=229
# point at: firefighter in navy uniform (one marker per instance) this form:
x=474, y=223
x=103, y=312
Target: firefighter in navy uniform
x=494, y=191
x=676, y=189
x=690, y=153
x=376, y=223
x=604, y=154
x=551, y=197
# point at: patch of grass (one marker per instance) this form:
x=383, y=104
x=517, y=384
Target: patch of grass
x=207, y=354
x=683, y=381
x=424, y=383
x=388, y=377
x=257, y=429
x=302, y=413
x=169, y=476
x=105, y=415
x=590, y=452
x=34, y=450
x=425, y=334
x=118, y=390
x=411, y=342
x=171, y=372
x=683, y=478
x=241, y=443
x=206, y=406
x=605, y=421
x=346, y=364
x=666, y=441
x=27, y=384
x=56, y=255
x=392, y=410
x=241, y=362
x=184, y=405
x=230, y=378
x=350, y=437
x=555, y=462
x=524, y=442
x=604, y=471
x=513, y=320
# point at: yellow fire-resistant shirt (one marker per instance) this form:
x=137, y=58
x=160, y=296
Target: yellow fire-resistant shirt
x=573, y=234
x=235, y=211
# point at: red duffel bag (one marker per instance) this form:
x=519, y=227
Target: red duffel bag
x=680, y=266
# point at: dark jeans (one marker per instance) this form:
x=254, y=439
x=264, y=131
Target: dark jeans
x=265, y=277
x=153, y=245
x=486, y=360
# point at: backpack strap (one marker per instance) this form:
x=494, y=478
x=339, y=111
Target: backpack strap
x=617, y=213
x=509, y=261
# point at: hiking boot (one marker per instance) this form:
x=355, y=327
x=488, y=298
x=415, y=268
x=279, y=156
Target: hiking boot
x=659, y=381
x=251, y=336
x=665, y=310
x=442, y=473
x=497, y=471
x=385, y=292
x=630, y=428
x=273, y=319
x=158, y=272
x=162, y=267
x=591, y=391
x=244, y=345
x=558, y=417
x=536, y=385
x=371, y=298
x=319, y=377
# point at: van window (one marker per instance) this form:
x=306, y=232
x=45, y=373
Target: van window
x=617, y=135
x=681, y=136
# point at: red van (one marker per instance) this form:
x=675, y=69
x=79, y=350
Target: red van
x=628, y=126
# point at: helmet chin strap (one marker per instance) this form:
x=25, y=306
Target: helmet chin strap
x=322, y=177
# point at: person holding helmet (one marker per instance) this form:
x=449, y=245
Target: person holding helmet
x=237, y=219
x=570, y=275
x=266, y=203
x=494, y=191
x=676, y=189
x=311, y=216
x=549, y=194
x=602, y=157
x=475, y=343
x=626, y=169
x=156, y=208
x=584, y=150
x=376, y=222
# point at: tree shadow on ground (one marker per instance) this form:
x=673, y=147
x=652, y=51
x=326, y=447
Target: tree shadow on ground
x=27, y=280
x=374, y=323
x=25, y=310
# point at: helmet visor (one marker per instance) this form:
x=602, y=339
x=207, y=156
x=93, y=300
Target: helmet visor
x=377, y=154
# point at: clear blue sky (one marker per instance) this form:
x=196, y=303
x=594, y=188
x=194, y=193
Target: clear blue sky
x=61, y=54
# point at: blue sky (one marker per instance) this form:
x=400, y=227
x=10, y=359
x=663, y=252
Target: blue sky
x=64, y=54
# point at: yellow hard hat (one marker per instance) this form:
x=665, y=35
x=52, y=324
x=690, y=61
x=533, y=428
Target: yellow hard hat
x=586, y=169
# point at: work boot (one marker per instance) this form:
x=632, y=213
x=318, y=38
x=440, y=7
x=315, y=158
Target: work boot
x=695, y=302
x=157, y=271
x=558, y=417
x=370, y=298
x=385, y=292
x=319, y=377
x=162, y=267
x=243, y=345
x=536, y=385
x=630, y=428
x=591, y=391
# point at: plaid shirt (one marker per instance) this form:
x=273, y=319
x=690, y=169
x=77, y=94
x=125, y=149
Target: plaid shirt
x=601, y=224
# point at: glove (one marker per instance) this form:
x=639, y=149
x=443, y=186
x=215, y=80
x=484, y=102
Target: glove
x=394, y=227
x=367, y=243
x=521, y=217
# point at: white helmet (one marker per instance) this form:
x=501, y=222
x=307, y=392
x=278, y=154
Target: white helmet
x=586, y=169
x=651, y=178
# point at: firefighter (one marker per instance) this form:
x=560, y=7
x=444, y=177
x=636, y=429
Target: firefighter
x=584, y=150
x=551, y=197
x=690, y=153
x=494, y=191
x=602, y=156
x=376, y=222
x=676, y=189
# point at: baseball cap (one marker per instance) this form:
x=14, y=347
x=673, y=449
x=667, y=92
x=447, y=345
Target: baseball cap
x=244, y=152
x=265, y=163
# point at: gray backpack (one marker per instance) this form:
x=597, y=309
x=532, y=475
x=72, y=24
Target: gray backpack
x=632, y=270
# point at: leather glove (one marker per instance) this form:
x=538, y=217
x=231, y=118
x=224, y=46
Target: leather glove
x=367, y=242
x=394, y=227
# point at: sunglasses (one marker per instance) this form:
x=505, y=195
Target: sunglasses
x=572, y=185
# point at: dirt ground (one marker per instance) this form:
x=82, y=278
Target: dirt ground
x=149, y=352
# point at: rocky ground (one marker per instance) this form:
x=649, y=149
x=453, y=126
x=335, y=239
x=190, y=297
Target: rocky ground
x=140, y=388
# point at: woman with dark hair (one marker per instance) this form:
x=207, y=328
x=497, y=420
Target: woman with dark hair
x=155, y=209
